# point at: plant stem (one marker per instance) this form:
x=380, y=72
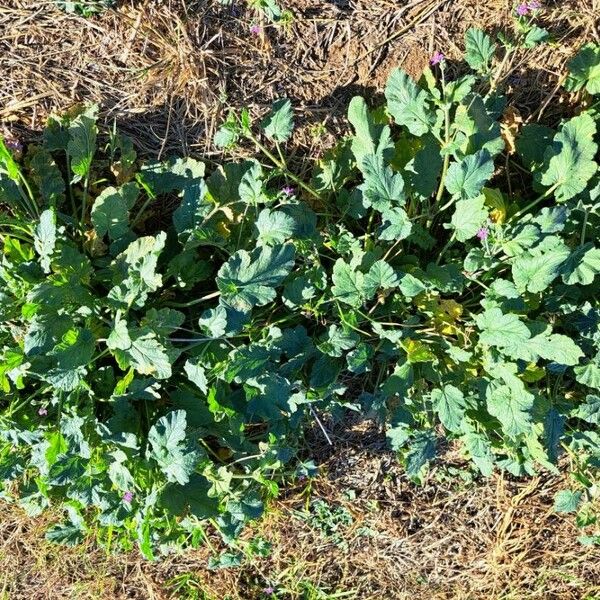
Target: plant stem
x=283, y=167
x=496, y=78
x=583, y=228
x=535, y=202
x=197, y=301
x=144, y=206
x=448, y=244
x=86, y=184
x=440, y=190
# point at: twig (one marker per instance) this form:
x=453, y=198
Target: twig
x=421, y=16
x=314, y=414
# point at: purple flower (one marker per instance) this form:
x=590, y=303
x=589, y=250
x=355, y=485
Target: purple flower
x=42, y=412
x=483, y=233
x=13, y=144
x=269, y=591
x=437, y=58
x=523, y=9
x=255, y=29
x=128, y=497
x=534, y=5
x=288, y=190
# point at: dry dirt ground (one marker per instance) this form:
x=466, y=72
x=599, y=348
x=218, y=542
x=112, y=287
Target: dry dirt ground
x=168, y=71
x=359, y=531
x=377, y=538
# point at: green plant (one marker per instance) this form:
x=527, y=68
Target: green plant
x=138, y=382
x=86, y=8
x=159, y=365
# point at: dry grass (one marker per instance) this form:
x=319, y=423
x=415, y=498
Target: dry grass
x=169, y=70
x=490, y=540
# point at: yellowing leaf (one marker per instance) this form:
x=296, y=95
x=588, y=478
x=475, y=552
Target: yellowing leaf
x=452, y=308
x=533, y=373
x=509, y=128
x=418, y=352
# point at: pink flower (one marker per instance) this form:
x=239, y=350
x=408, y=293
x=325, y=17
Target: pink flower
x=255, y=29
x=437, y=58
x=288, y=190
x=269, y=591
x=128, y=497
x=523, y=9
x=535, y=5
x=42, y=412
x=483, y=233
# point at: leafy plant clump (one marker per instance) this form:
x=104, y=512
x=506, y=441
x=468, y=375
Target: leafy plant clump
x=166, y=334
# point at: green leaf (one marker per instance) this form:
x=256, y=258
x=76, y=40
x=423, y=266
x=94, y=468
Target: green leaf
x=532, y=143
x=348, y=284
x=168, y=448
x=410, y=286
x=135, y=273
x=69, y=360
x=251, y=185
x=567, y=501
x=556, y=347
x=66, y=533
x=380, y=276
x=175, y=174
x=44, y=239
x=213, y=322
x=249, y=279
x=141, y=350
x=383, y=188
x=408, y=103
x=190, y=215
x=369, y=138
x=584, y=70
x=163, y=321
x=44, y=332
x=498, y=329
x=536, y=35
x=47, y=177
x=422, y=172
x=588, y=375
x=110, y=212
x=192, y=497
x=246, y=362
x=449, y=402
x=589, y=411
x=395, y=225
x=82, y=142
x=228, y=134
x=523, y=238
x=468, y=218
x=569, y=160
x=197, y=375
x=279, y=122
x=338, y=341
x=582, y=266
x=536, y=273
x=479, y=50
x=511, y=405
x=421, y=450
x=479, y=448
x=274, y=227
x=465, y=179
